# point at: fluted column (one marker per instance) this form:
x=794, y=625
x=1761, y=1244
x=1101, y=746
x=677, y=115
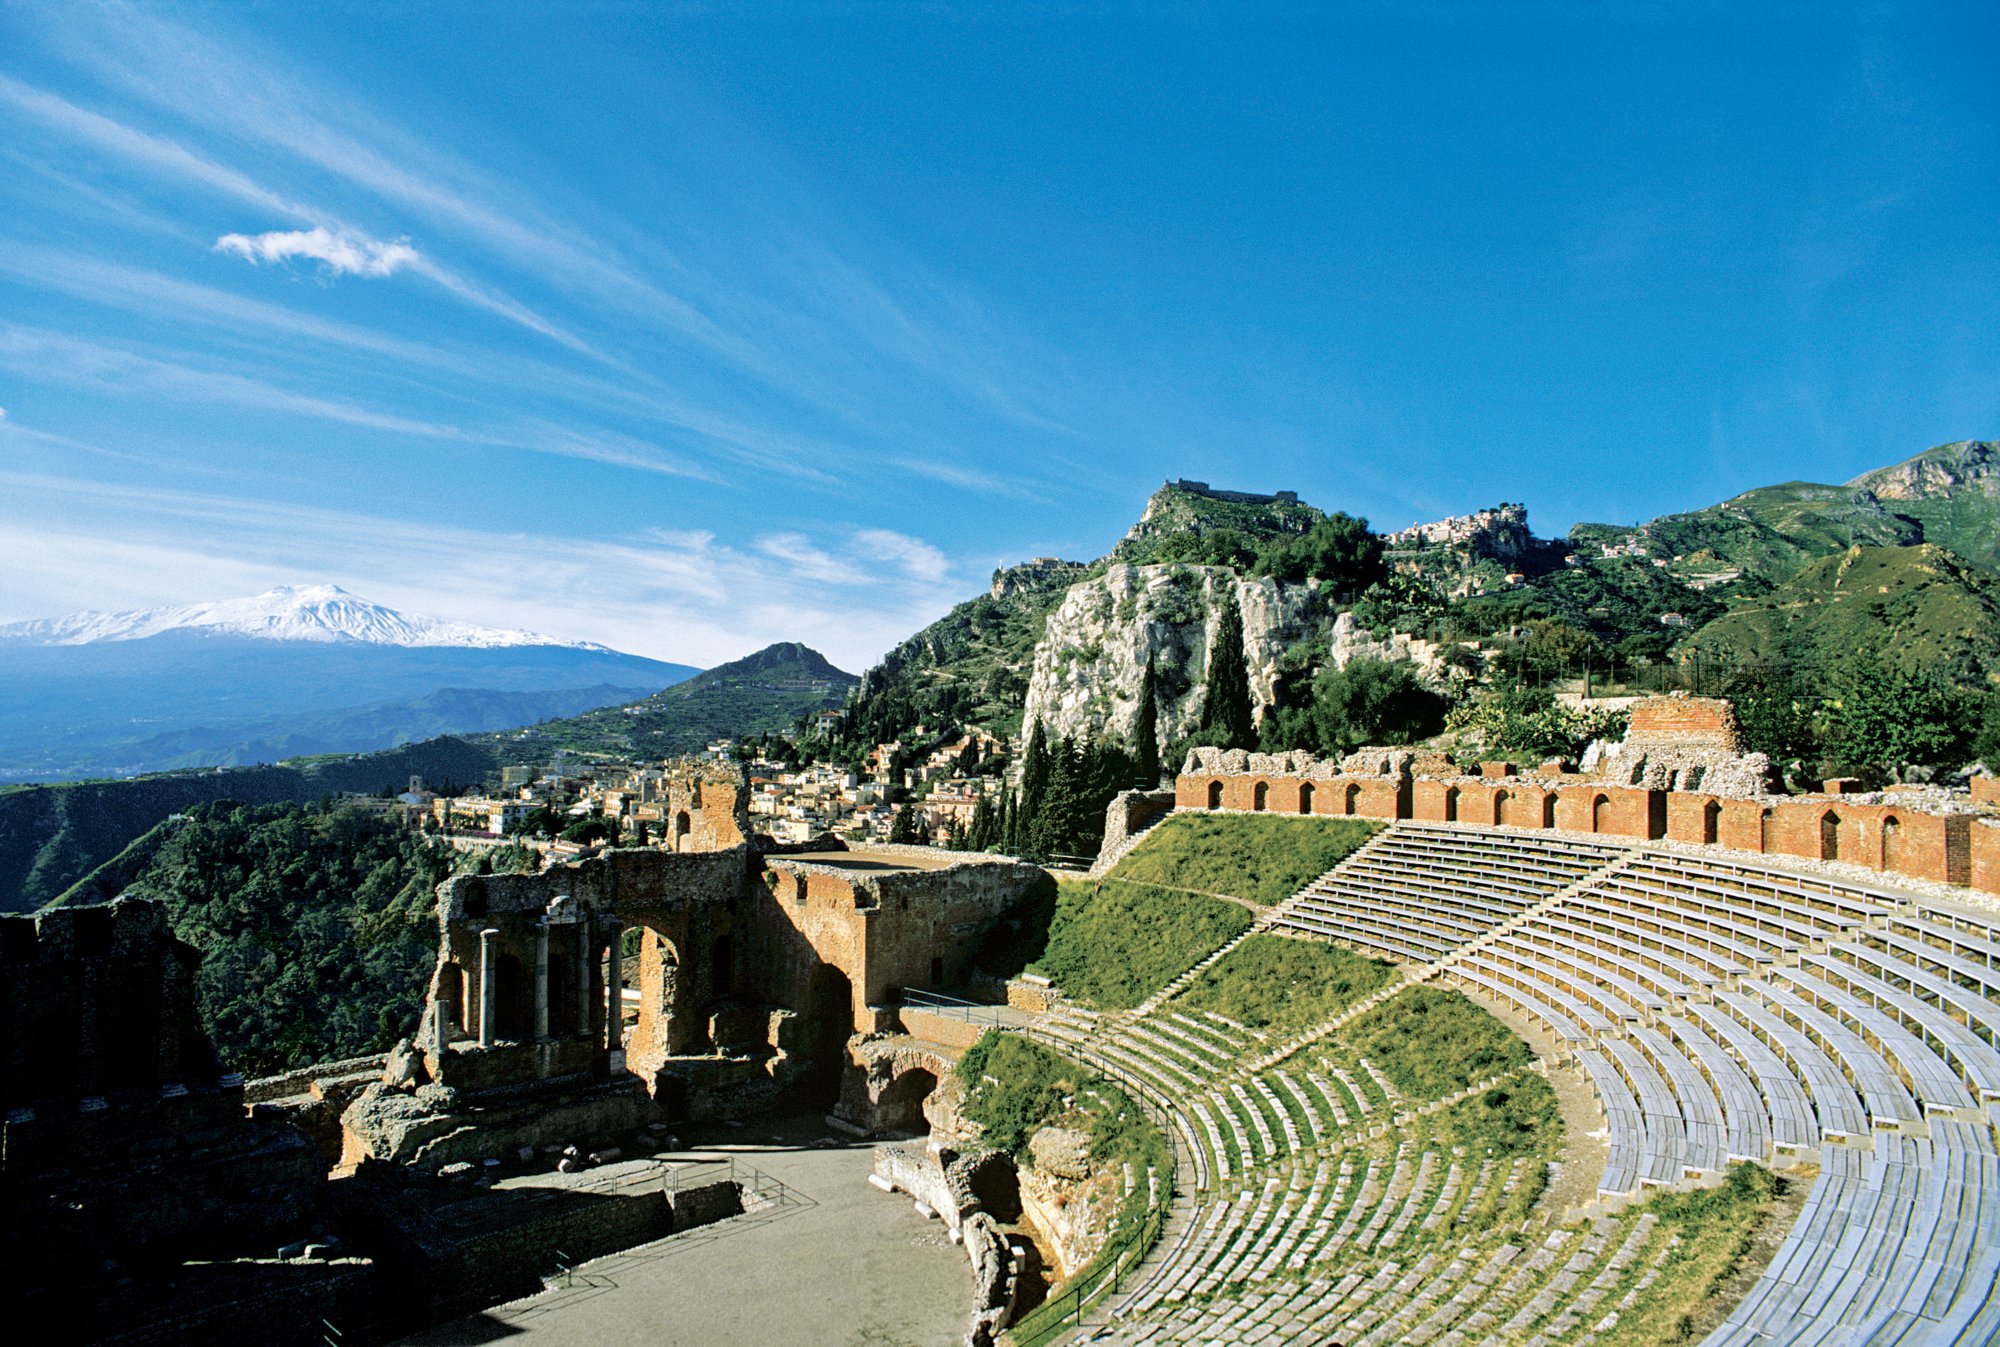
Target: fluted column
x=488, y=972
x=541, y=981
x=614, y=991
x=583, y=951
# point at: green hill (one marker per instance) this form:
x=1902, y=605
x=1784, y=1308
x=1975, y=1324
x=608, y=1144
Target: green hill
x=53, y=836
x=1916, y=609
x=1179, y=516
x=1953, y=491
x=769, y=691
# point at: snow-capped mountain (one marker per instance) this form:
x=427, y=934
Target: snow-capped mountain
x=325, y=613
x=297, y=670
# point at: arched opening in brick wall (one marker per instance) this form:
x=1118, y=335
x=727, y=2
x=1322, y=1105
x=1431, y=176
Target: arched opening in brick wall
x=1306, y=798
x=683, y=825
x=1711, y=821
x=901, y=1106
x=1451, y=804
x=451, y=991
x=1829, y=836
x=659, y=981
x=1548, y=811
x=1350, y=799
x=829, y=1015
x=1600, y=813
x=1260, y=798
x=1215, y=795
x=1892, y=842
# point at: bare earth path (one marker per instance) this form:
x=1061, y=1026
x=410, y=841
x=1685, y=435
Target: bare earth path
x=848, y=1267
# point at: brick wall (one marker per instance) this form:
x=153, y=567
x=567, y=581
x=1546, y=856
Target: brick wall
x=1680, y=719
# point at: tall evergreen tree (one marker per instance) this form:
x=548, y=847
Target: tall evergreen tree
x=1036, y=768
x=1225, y=712
x=1146, y=730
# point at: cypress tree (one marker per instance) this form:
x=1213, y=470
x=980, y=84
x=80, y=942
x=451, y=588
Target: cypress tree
x=1225, y=713
x=1146, y=730
x=1036, y=769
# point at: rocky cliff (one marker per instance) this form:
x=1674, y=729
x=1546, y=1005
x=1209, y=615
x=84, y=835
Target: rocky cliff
x=1092, y=656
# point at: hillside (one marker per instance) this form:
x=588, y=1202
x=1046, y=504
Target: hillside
x=971, y=666
x=52, y=836
x=1916, y=609
x=766, y=692
x=1182, y=516
x=1953, y=491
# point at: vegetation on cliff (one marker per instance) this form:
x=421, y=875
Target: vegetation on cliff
x=317, y=927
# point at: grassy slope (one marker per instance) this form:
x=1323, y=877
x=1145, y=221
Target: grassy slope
x=1911, y=607
x=1114, y=945
x=1264, y=858
x=1430, y=1042
x=1271, y=982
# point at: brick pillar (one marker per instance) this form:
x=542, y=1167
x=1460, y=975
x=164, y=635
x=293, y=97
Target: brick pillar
x=541, y=982
x=488, y=1010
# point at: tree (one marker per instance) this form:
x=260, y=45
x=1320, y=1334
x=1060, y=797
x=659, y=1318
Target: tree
x=1879, y=718
x=1373, y=701
x=1146, y=730
x=1339, y=551
x=984, y=833
x=903, y=826
x=1225, y=712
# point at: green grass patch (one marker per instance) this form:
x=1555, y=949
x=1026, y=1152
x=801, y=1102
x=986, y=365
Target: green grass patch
x=1272, y=982
x=1114, y=945
x=1430, y=1042
x=1264, y=858
x=1716, y=1227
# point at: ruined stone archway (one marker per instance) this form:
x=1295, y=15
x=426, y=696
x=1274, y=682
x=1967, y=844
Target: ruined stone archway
x=1215, y=795
x=1261, y=798
x=1829, y=836
x=1306, y=798
x=1711, y=821
x=1892, y=843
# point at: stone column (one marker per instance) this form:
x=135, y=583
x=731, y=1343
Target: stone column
x=583, y=951
x=541, y=981
x=614, y=993
x=488, y=973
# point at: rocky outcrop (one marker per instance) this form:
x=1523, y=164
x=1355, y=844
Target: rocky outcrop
x=1093, y=653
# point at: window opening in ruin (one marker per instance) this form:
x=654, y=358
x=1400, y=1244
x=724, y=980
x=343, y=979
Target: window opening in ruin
x=1829, y=836
x=1600, y=813
x=683, y=825
x=1548, y=811
x=1711, y=821
x=722, y=966
x=514, y=1004
x=1892, y=842
x=451, y=990
x=1451, y=805
x=1262, y=796
x=1306, y=798
x=1215, y=795
x=1351, y=804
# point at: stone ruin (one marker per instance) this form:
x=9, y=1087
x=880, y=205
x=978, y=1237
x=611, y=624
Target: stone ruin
x=570, y=1014
x=1685, y=743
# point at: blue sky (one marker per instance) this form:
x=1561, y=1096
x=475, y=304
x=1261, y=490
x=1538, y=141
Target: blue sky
x=686, y=329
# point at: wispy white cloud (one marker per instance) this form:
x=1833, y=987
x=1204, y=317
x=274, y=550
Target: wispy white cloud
x=915, y=557
x=338, y=253
x=671, y=595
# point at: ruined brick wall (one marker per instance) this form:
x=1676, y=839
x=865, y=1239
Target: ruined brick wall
x=706, y=805
x=1983, y=855
x=1682, y=720
x=99, y=1004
